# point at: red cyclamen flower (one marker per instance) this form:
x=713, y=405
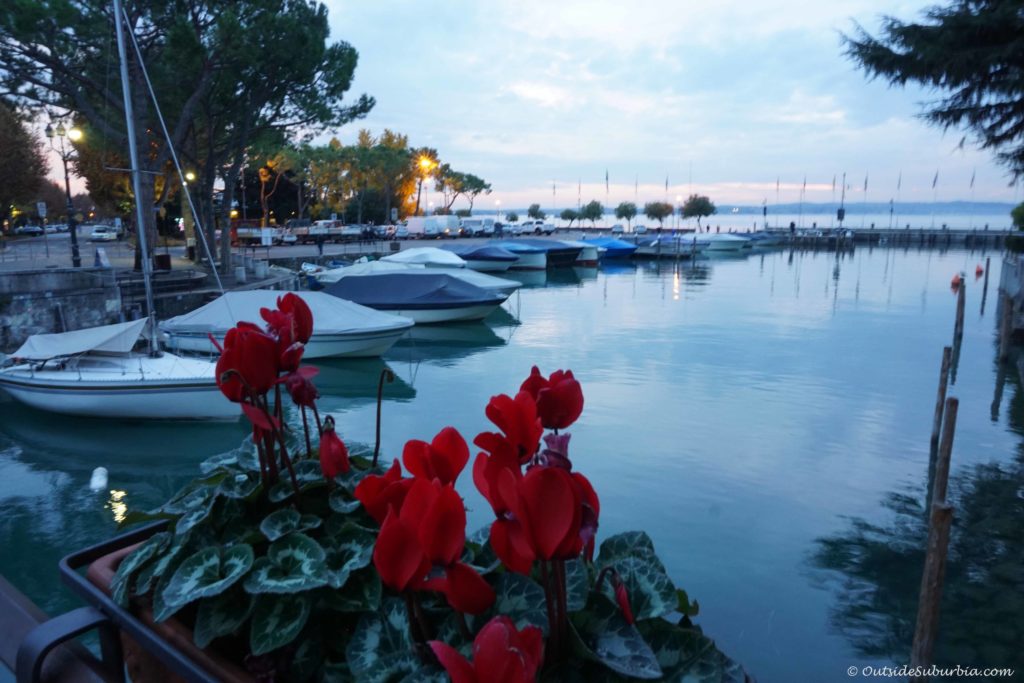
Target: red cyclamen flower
x=443, y=458
x=559, y=397
x=517, y=419
x=501, y=654
x=248, y=362
x=622, y=597
x=379, y=492
x=333, y=454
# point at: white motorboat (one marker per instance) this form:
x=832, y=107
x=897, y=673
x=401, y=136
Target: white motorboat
x=427, y=256
x=94, y=372
x=485, y=258
x=340, y=328
x=490, y=283
x=530, y=258
x=589, y=253
x=724, y=241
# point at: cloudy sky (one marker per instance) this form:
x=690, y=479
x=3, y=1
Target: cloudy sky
x=723, y=98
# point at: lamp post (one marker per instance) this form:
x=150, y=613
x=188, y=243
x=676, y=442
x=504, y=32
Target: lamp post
x=497, y=209
x=426, y=165
x=189, y=220
x=66, y=154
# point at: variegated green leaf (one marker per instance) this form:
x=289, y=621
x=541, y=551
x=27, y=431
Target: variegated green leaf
x=651, y=593
x=240, y=485
x=277, y=620
x=628, y=544
x=154, y=571
x=336, y=672
x=348, y=551
x=381, y=649
x=293, y=564
x=362, y=593
x=221, y=615
x=522, y=600
x=206, y=573
x=342, y=502
x=577, y=584
x=308, y=658
x=605, y=636
x=286, y=520
x=686, y=654
x=121, y=582
x=221, y=460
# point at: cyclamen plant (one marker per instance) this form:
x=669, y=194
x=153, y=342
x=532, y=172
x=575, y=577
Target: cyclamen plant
x=328, y=567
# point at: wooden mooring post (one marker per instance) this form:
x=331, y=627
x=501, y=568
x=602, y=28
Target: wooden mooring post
x=1005, y=327
x=940, y=400
x=984, y=291
x=961, y=301
x=939, y=522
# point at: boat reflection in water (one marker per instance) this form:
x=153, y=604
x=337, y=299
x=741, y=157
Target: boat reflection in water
x=530, y=279
x=445, y=344
x=352, y=383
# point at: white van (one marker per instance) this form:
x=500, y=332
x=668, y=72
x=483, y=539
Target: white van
x=433, y=226
x=478, y=227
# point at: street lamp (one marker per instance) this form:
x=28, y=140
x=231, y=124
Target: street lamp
x=497, y=209
x=66, y=154
x=426, y=165
x=188, y=219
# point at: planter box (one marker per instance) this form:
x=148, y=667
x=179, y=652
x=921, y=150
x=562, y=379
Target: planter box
x=162, y=652
x=145, y=666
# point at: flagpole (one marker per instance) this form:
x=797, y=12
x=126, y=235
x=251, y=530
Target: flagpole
x=899, y=186
x=973, y=172
x=935, y=195
x=831, y=220
x=864, y=203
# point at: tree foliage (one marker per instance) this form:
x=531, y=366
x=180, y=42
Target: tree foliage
x=658, y=211
x=1017, y=215
x=512, y=217
x=697, y=206
x=227, y=75
x=23, y=165
x=971, y=51
x=626, y=211
x=569, y=215
x=535, y=213
x=591, y=211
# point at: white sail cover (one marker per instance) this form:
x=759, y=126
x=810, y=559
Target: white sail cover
x=118, y=338
x=331, y=315
x=427, y=256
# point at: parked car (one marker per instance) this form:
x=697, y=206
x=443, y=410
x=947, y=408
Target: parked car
x=640, y=230
x=104, y=233
x=28, y=230
x=617, y=229
x=60, y=227
x=401, y=232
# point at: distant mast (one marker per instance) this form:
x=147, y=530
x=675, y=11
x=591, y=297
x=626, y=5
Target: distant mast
x=841, y=213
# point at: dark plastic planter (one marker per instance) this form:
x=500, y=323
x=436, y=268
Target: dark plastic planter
x=152, y=652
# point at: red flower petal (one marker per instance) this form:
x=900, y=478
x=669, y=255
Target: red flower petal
x=457, y=666
x=465, y=590
x=622, y=597
x=442, y=529
x=333, y=454
x=509, y=544
x=397, y=554
x=551, y=507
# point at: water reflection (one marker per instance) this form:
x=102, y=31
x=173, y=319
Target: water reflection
x=445, y=344
x=875, y=569
x=356, y=381
x=528, y=278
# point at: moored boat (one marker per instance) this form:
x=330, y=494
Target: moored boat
x=94, y=372
x=529, y=258
x=490, y=283
x=613, y=248
x=484, y=258
x=426, y=298
x=559, y=254
x=588, y=256
x=427, y=256
x=340, y=328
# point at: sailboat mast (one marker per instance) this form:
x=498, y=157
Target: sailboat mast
x=133, y=153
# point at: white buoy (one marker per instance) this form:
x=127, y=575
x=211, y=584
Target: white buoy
x=98, y=482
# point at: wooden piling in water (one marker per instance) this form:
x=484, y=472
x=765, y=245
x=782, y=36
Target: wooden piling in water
x=939, y=523
x=961, y=300
x=940, y=401
x=984, y=291
x=1005, y=327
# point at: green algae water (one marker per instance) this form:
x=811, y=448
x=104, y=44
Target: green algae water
x=764, y=418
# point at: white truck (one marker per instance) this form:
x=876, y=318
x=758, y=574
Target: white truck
x=425, y=227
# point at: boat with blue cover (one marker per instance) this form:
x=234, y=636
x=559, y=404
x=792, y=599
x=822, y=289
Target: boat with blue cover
x=612, y=248
x=558, y=253
x=529, y=258
x=485, y=258
x=426, y=298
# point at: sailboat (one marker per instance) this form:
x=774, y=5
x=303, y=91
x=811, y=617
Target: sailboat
x=95, y=372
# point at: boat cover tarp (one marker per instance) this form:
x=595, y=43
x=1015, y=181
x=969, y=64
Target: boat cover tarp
x=517, y=247
x=483, y=253
x=117, y=338
x=609, y=243
x=385, y=268
x=331, y=315
x=431, y=256
x=550, y=246
x=411, y=291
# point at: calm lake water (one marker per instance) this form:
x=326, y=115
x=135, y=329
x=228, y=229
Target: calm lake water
x=765, y=418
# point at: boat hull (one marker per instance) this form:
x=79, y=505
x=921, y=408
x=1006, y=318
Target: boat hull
x=587, y=257
x=433, y=316
x=173, y=400
x=361, y=345
x=483, y=266
x=531, y=261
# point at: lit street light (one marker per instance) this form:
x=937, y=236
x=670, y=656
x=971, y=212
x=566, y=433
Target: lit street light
x=66, y=154
x=189, y=223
